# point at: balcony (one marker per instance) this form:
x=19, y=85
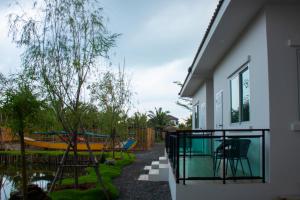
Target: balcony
x=223, y=156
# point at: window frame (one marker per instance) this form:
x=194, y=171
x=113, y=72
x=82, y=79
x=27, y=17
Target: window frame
x=239, y=74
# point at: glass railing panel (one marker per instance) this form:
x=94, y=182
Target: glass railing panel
x=209, y=156
x=199, y=158
x=244, y=156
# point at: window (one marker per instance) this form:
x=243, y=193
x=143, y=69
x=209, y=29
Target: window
x=240, y=97
x=196, y=117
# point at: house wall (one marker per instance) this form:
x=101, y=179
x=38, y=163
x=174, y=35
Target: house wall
x=198, y=99
x=204, y=96
x=283, y=24
x=273, y=104
x=251, y=50
x=252, y=47
x=210, y=104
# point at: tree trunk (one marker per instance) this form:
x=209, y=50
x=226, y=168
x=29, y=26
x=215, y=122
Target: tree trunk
x=75, y=160
x=1, y=139
x=113, y=141
x=23, y=160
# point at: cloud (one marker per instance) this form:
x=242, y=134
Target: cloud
x=167, y=30
x=179, y=20
x=155, y=88
x=10, y=54
x=159, y=40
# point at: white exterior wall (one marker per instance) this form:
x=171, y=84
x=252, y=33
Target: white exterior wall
x=283, y=24
x=251, y=45
x=199, y=99
x=205, y=96
x=273, y=104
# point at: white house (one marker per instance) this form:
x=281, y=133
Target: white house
x=246, y=75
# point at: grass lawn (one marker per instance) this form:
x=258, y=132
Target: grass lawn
x=108, y=172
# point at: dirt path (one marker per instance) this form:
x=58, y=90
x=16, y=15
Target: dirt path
x=131, y=189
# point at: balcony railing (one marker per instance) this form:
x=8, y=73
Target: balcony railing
x=220, y=155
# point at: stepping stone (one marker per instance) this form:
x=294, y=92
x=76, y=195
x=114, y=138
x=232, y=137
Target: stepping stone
x=163, y=160
x=163, y=166
x=154, y=172
x=155, y=164
x=143, y=177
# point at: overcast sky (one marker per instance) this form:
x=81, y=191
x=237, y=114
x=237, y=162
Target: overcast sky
x=159, y=41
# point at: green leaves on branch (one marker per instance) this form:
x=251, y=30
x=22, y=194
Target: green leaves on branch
x=21, y=105
x=159, y=118
x=113, y=95
x=62, y=39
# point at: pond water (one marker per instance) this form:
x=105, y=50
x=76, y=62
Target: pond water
x=10, y=178
x=41, y=175
x=12, y=183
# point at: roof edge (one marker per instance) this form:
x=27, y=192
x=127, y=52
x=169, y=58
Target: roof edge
x=217, y=10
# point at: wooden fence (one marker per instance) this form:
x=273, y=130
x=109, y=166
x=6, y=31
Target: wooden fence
x=145, y=138
x=6, y=135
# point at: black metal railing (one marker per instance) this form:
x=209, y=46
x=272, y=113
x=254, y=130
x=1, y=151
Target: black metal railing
x=226, y=154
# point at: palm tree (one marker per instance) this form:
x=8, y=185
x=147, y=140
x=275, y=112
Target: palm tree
x=158, y=120
x=138, y=120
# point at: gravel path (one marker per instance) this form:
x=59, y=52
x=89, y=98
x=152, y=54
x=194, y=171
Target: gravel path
x=132, y=189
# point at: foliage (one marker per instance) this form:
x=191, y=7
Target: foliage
x=109, y=172
x=138, y=120
x=2, y=91
x=21, y=105
x=158, y=119
x=91, y=117
x=113, y=95
x=3, y=82
x=46, y=120
x=62, y=42
x=187, y=124
x=72, y=194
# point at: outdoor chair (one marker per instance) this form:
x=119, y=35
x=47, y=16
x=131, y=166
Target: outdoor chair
x=239, y=152
x=218, y=156
x=236, y=150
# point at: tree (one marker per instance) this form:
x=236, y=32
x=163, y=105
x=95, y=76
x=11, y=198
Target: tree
x=91, y=117
x=138, y=120
x=159, y=119
x=21, y=105
x=61, y=45
x=3, y=83
x=113, y=94
x=187, y=124
x=184, y=102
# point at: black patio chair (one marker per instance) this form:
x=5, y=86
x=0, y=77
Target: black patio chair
x=218, y=155
x=236, y=150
